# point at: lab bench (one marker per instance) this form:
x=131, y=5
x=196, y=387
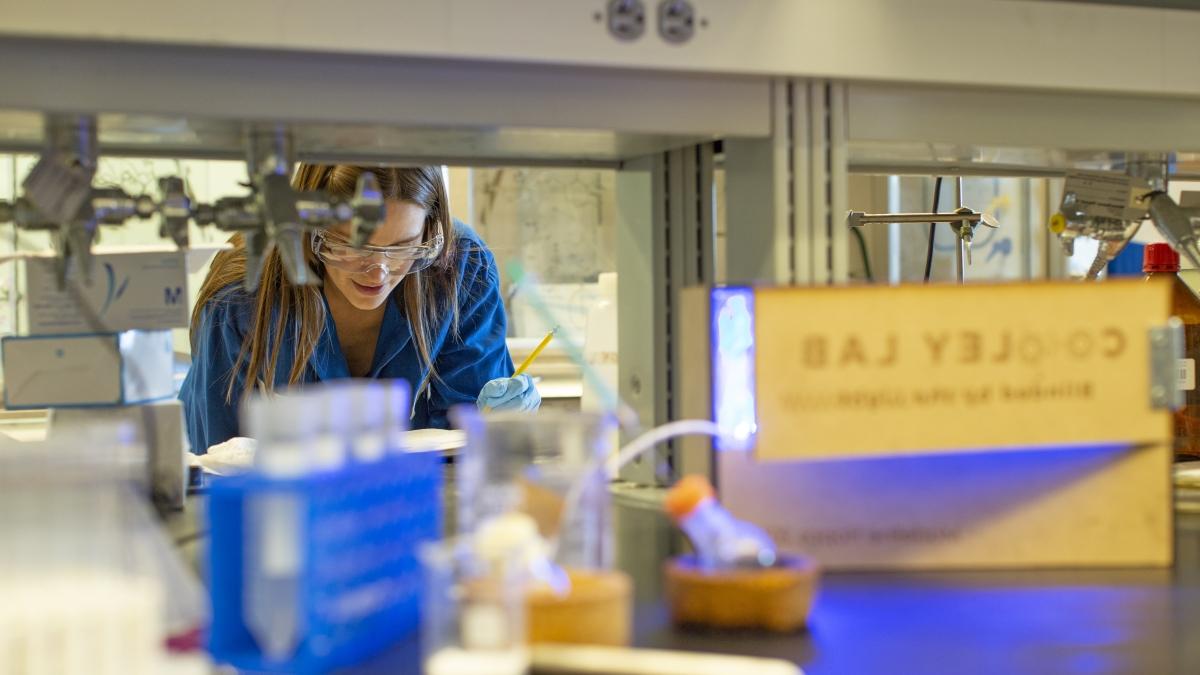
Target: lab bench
x=1092, y=621
x=1049, y=621
x=1059, y=621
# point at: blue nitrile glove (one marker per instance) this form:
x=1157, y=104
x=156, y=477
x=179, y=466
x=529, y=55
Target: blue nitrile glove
x=510, y=393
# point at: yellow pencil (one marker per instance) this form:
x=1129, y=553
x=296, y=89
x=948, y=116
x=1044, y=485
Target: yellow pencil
x=535, y=353
x=529, y=359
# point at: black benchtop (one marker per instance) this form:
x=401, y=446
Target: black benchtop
x=1086, y=621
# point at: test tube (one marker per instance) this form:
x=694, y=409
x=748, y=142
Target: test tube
x=368, y=420
x=396, y=411
x=285, y=427
x=331, y=409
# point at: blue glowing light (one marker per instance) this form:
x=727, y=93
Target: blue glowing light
x=1002, y=622
x=734, y=405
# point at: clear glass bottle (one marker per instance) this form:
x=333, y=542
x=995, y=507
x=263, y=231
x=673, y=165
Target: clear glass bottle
x=1160, y=260
x=549, y=466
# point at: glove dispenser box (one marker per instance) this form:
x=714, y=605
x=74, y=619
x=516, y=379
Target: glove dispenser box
x=936, y=427
x=130, y=289
x=126, y=368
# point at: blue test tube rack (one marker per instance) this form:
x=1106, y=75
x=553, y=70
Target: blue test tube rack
x=361, y=577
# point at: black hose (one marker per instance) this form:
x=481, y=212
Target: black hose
x=937, y=192
x=862, y=247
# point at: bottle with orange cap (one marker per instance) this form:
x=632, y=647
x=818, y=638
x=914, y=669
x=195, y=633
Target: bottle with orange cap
x=1160, y=260
x=720, y=540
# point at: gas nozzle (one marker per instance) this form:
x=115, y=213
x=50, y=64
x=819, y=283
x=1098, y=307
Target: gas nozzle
x=290, y=241
x=368, y=208
x=284, y=227
x=175, y=210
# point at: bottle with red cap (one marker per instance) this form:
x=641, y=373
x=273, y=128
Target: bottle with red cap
x=1160, y=260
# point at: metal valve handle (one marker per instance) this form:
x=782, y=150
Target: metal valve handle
x=59, y=197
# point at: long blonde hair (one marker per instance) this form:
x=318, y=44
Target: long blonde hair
x=429, y=296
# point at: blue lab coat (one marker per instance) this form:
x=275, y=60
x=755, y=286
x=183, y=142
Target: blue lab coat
x=464, y=363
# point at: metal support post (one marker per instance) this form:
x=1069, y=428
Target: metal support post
x=666, y=239
x=960, y=264
x=786, y=200
x=786, y=194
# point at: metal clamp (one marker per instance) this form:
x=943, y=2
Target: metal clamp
x=1166, y=352
x=59, y=188
x=1106, y=206
x=964, y=215
x=963, y=222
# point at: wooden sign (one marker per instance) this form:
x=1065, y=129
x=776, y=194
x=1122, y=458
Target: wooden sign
x=937, y=427
x=875, y=371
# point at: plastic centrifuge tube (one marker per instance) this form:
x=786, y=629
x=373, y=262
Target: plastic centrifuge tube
x=274, y=539
x=272, y=596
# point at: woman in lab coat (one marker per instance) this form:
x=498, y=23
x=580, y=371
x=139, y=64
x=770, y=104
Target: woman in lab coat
x=421, y=302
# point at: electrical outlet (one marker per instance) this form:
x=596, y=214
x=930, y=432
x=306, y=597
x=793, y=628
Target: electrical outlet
x=676, y=20
x=626, y=19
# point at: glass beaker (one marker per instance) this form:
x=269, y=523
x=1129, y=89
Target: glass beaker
x=549, y=466
x=473, y=612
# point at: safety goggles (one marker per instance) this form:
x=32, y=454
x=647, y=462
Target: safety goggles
x=337, y=252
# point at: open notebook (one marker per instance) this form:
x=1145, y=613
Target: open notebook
x=237, y=454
